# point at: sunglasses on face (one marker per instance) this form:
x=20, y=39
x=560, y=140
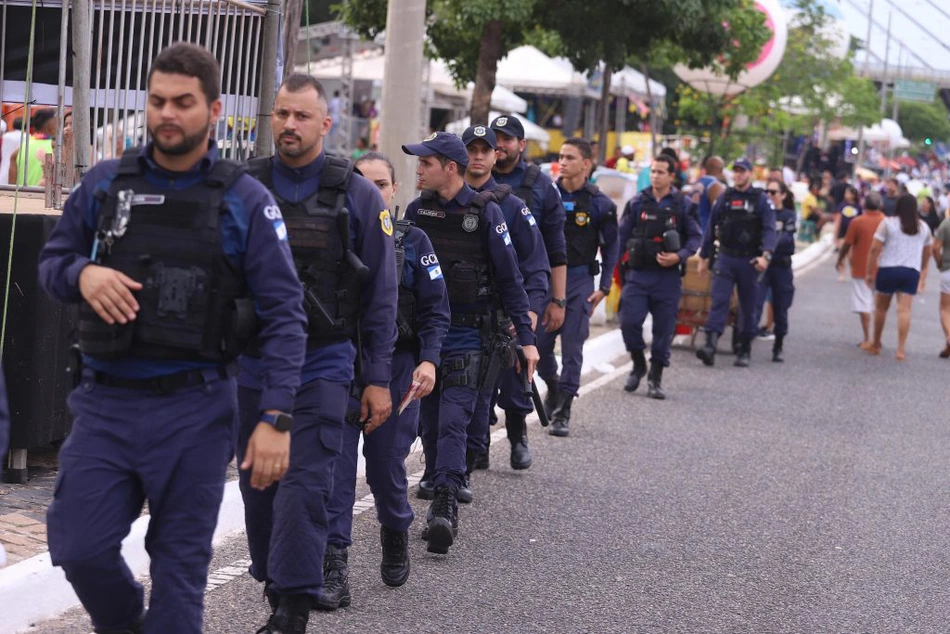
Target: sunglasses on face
x=773, y=192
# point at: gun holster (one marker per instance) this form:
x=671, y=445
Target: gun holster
x=451, y=372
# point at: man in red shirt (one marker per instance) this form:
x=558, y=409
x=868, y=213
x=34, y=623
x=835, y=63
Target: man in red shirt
x=857, y=242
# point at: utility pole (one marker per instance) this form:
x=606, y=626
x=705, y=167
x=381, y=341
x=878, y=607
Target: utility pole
x=82, y=74
x=887, y=54
x=264, y=144
x=405, y=33
x=867, y=64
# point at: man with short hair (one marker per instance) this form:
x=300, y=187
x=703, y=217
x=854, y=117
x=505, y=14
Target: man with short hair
x=892, y=191
x=857, y=243
x=480, y=266
x=590, y=229
x=480, y=141
x=170, y=252
x=341, y=235
x=712, y=182
x=26, y=162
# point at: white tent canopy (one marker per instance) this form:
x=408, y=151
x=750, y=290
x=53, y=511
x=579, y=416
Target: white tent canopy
x=629, y=80
x=527, y=69
x=532, y=131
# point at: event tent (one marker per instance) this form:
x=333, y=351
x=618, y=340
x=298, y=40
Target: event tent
x=532, y=131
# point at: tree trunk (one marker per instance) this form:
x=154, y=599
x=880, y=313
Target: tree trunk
x=489, y=53
x=293, y=10
x=603, y=113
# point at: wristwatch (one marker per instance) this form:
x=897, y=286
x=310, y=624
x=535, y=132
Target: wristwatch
x=767, y=256
x=560, y=303
x=280, y=420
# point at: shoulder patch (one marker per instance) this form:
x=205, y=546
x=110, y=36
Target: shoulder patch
x=386, y=222
x=281, y=229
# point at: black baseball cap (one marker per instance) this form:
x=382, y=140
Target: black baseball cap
x=742, y=164
x=444, y=143
x=509, y=124
x=479, y=133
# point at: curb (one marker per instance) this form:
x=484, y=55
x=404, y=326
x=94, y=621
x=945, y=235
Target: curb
x=34, y=589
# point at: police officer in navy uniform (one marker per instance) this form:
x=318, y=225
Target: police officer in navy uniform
x=471, y=240
x=480, y=141
x=779, y=277
x=341, y=235
x=422, y=323
x=169, y=251
x=659, y=230
x=744, y=223
x=591, y=227
x=537, y=189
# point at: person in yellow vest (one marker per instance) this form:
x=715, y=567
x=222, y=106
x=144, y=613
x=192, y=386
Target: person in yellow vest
x=26, y=165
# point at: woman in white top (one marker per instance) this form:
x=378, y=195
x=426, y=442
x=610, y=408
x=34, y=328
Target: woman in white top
x=897, y=263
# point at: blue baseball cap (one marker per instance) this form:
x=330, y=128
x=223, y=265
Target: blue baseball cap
x=479, y=133
x=444, y=143
x=742, y=164
x=509, y=124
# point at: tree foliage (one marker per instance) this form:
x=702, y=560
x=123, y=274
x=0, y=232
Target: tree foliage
x=921, y=121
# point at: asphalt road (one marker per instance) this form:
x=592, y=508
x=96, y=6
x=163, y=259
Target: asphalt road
x=806, y=497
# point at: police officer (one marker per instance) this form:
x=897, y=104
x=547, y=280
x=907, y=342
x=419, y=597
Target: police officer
x=744, y=223
x=480, y=266
x=480, y=142
x=168, y=251
x=779, y=277
x=422, y=323
x=591, y=226
x=341, y=235
x=535, y=188
x=659, y=231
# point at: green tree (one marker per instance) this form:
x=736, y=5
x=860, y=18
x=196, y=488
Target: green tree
x=920, y=121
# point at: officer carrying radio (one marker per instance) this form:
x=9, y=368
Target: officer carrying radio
x=168, y=251
x=480, y=141
x=744, y=223
x=591, y=227
x=480, y=266
x=341, y=235
x=422, y=322
x=659, y=231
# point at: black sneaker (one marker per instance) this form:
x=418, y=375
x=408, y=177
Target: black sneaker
x=394, y=568
x=335, y=592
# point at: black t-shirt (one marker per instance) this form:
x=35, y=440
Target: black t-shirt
x=890, y=206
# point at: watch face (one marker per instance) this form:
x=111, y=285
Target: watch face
x=283, y=422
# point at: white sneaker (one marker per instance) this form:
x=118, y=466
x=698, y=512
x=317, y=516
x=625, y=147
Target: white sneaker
x=765, y=334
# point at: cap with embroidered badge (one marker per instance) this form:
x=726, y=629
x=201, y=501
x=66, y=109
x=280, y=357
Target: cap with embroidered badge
x=742, y=164
x=508, y=124
x=479, y=133
x=444, y=143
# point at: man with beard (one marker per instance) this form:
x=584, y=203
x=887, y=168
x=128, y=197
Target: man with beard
x=169, y=251
x=341, y=235
x=480, y=142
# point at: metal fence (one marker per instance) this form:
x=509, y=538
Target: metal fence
x=126, y=36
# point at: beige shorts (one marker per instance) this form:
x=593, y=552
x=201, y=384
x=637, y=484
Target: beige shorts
x=945, y=281
x=862, y=297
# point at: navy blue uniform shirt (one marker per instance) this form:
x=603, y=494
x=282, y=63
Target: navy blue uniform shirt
x=603, y=217
x=255, y=244
x=372, y=241
x=529, y=245
x=506, y=277
x=785, y=228
x=762, y=207
x=687, y=223
x=547, y=209
x=422, y=273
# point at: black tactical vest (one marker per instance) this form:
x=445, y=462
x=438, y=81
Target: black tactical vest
x=194, y=304
x=646, y=241
x=457, y=238
x=582, y=237
x=740, y=227
x=525, y=191
x=319, y=235
x=406, y=327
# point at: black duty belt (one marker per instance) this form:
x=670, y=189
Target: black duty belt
x=166, y=383
x=468, y=320
x=739, y=253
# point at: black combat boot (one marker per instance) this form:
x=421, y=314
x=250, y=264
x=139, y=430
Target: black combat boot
x=550, y=397
x=394, y=568
x=426, y=486
x=562, y=415
x=444, y=522
x=638, y=371
x=136, y=628
x=708, y=352
x=743, y=352
x=464, y=493
x=654, y=389
x=777, y=350
x=480, y=461
x=518, y=437
x=335, y=592
x=290, y=617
